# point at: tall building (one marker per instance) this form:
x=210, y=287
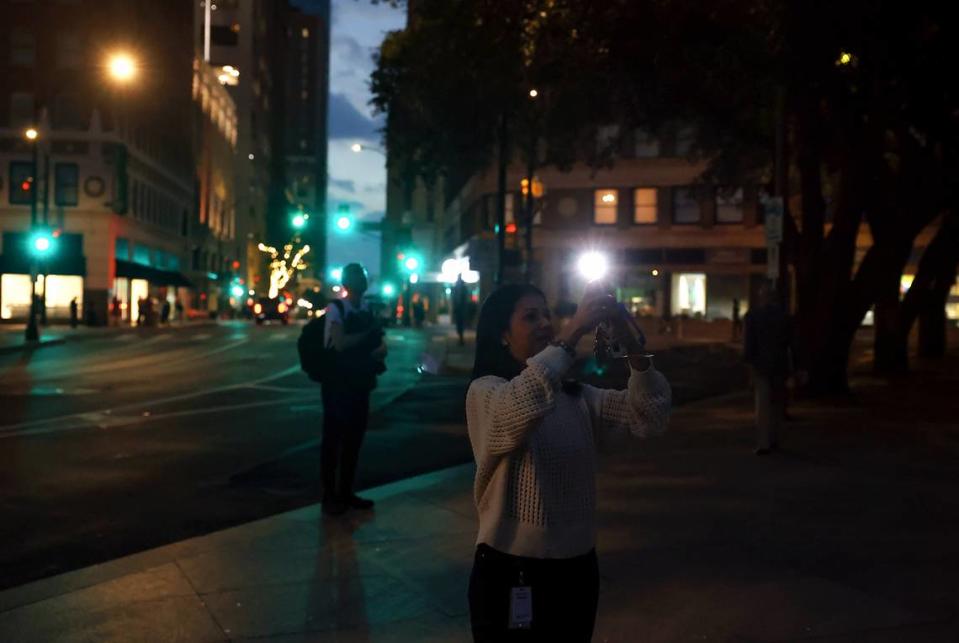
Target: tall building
x=306, y=96
x=244, y=47
x=110, y=174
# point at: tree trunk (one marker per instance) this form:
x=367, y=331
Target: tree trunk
x=932, y=323
x=890, y=345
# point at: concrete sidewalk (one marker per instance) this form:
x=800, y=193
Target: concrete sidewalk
x=850, y=534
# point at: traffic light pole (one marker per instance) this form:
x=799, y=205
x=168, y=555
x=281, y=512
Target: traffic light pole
x=32, y=333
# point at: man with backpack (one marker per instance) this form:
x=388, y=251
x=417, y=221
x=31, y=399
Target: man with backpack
x=344, y=350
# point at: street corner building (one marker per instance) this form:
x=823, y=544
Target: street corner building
x=125, y=131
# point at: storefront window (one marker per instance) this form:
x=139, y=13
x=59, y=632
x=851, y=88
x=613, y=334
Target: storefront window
x=14, y=296
x=689, y=294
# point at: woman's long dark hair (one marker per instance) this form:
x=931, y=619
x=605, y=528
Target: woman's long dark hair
x=492, y=358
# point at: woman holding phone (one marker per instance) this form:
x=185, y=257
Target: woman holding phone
x=535, y=575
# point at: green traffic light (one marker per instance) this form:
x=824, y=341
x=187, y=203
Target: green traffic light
x=344, y=223
x=41, y=244
x=299, y=221
x=388, y=290
x=412, y=263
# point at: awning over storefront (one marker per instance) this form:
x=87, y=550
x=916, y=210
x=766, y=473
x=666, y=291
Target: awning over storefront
x=153, y=275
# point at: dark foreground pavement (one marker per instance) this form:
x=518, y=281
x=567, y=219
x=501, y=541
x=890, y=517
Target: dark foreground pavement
x=849, y=534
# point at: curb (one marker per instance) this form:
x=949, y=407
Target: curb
x=23, y=348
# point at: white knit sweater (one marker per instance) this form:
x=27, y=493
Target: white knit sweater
x=535, y=452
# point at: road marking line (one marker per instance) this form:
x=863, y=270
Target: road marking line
x=148, y=403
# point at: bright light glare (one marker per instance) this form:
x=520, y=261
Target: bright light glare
x=356, y=147
x=122, y=67
x=31, y=134
x=412, y=263
x=609, y=197
x=336, y=273
x=299, y=221
x=592, y=266
x=304, y=303
x=42, y=244
x=414, y=278
x=343, y=223
x=388, y=290
x=533, y=93
x=237, y=291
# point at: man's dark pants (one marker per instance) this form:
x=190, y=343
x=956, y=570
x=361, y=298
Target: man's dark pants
x=345, y=415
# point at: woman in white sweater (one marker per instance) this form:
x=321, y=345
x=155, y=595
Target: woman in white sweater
x=535, y=576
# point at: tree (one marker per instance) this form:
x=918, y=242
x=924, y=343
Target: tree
x=869, y=115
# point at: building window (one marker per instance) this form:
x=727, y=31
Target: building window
x=67, y=181
x=69, y=51
x=646, y=145
x=21, y=182
x=685, y=138
x=644, y=205
x=305, y=33
x=604, y=207
x=23, y=48
x=141, y=255
x=685, y=206
x=68, y=114
x=21, y=109
x=689, y=294
x=122, y=249
x=729, y=205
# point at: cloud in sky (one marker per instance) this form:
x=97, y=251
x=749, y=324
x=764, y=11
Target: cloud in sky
x=345, y=185
x=347, y=122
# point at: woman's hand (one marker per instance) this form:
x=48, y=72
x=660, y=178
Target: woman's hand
x=595, y=307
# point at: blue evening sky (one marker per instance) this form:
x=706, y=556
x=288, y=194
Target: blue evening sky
x=357, y=29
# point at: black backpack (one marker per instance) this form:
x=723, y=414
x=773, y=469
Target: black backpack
x=316, y=359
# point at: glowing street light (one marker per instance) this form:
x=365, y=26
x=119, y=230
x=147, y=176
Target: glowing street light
x=359, y=147
x=388, y=290
x=344, y=223
x=356, y=147
x=533, y=93
x=299, y=221
x=592, y=266
x=31, y=134
x=122, y=67
x=412, y=263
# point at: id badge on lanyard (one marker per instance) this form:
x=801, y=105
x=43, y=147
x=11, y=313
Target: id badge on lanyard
x=521, y=605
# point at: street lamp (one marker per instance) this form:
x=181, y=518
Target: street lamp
x=592, y=266
x=359, y=147
x=31, y=134
x=122, y=67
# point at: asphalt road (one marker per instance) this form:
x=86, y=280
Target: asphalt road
x=118, y=443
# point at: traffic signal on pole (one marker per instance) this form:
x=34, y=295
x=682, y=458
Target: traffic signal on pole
x=42, y=244
x=299, y=220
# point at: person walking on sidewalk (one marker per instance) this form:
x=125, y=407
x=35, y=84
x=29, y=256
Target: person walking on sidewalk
x=460, y=301
x=74, y=313
x=357, y=340
x=535, y=573
x=767, y=337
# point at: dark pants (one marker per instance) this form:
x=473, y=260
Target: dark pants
x=565, y=595
x=345, y=414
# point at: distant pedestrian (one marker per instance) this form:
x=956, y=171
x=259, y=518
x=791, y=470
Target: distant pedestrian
x=74, y=313
x=165, y=312
x=460, y=301
x=419, y=310
x=737, y=321
x=357, y=339
x=767, y=337
x=534, y=439
x=141, y=311
x=116, y=311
